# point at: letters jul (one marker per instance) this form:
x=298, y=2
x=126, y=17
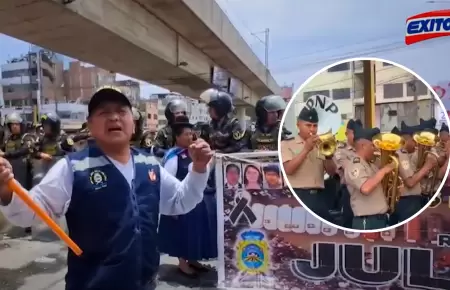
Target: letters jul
x=412, y=267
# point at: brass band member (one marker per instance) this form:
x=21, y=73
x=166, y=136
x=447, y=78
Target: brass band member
x=363, y=180
x=427, y=192
x=305, y=167
x=444, y=133
x=410, y=201
x=343, y=156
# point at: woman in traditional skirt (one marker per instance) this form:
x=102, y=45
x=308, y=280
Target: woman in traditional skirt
x=191, y=237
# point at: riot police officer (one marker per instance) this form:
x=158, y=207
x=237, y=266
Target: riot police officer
x=140, y=139
x=226, y=134
x=51, y=147
x=17, y=147
x=269, y=111
x=164, y=138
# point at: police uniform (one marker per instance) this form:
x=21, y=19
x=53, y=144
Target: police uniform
x=201, y=131
x=53, y=143
x=164, y=139
x=308, y=180
x=225, y=134
x=410, y=201
x=343, y=156
x=265, y=136
x=17, y=149
x=370, y=210
x=140, y=139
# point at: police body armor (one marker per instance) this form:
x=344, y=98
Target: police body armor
x=227, y=136
x=57, y=147
x=264, y=139
x=21, y=164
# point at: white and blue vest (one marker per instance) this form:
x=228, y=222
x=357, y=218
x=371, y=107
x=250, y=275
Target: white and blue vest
x=114, y=224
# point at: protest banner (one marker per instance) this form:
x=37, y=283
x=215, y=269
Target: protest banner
x=268, y=241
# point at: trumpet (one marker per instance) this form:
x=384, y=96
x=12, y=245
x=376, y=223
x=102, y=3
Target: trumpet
x=327, y=145
x=387, y=144
x=425, y=142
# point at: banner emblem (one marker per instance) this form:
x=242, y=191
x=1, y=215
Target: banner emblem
x=252, y=253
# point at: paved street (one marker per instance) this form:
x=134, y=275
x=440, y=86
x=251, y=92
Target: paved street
x=38, y=263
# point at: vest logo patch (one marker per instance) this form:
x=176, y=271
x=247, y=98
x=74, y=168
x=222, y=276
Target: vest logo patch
x=98, y=179
x=152, y=175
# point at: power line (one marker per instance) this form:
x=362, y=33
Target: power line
x=367, y=41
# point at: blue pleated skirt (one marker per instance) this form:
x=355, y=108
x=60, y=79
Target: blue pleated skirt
x=192, y=236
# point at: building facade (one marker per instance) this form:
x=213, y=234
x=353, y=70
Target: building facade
x=287, y=92
x=29, y=77
x=81, y=81
x=131, y=89
x=395, y=92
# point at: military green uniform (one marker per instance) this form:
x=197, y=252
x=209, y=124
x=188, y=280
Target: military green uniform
x=17, y=149
x=164, y=138
x=54, y=144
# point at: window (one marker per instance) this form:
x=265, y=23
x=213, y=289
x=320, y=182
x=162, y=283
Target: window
x=19, y=73
x=20, y=88
x=307, y=95
x=340, y=67
x=387, y=64
x=341, y=94
x=392, y=91
x=155, y=116
x=344, y=116
x=416, y=87
x=16, y=103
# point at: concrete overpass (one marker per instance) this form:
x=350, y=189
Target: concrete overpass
x=170, y=43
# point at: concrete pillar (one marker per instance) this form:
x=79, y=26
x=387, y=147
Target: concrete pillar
x=240, y=114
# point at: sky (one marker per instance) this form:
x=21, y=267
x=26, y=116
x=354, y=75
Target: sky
x=304, y=36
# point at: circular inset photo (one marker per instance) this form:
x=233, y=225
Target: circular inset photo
x=367, y=152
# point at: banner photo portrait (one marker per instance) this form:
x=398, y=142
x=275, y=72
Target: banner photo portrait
x=268, y=241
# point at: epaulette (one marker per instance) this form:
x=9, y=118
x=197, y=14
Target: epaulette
x=356, y=160
x=287, y=137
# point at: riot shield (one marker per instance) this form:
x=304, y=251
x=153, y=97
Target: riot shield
x=40, y=231
x=41, y=167
x=22, y=171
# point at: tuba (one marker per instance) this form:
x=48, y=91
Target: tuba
x=330, y=121
x=426, y=141
x=387, y=145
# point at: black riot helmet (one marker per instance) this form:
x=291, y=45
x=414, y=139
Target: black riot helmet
x=220, y=101
x=269, y=104
x=14, y=118
x=53, y=121
x=175, y=106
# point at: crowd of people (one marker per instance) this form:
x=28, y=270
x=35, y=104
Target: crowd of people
x=124, y=205
x=129, y=196
x=376, y=179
